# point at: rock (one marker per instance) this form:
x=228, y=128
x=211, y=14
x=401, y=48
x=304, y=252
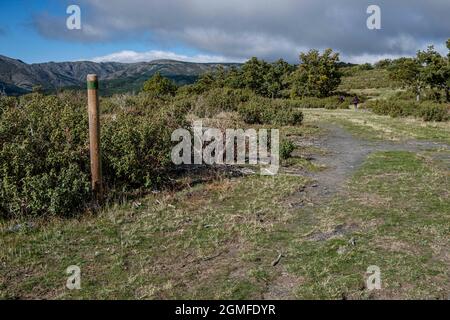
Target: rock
x=137, y=204
x=21, y=226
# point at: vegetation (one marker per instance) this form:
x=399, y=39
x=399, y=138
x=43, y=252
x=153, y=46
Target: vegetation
x=266, y=111
x=373, y=127
x=43, y=139
x=161, y=228
x=334, y=102
x=44, y=152
x=428, y=111
x=428, y=70
x=317, y=75
x=353, y=78
x=159, y=86
x=393, y=213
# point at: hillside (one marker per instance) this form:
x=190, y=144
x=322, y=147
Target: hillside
x=18, y=77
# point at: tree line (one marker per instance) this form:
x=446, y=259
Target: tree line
x=317, y=74
x=427, y=70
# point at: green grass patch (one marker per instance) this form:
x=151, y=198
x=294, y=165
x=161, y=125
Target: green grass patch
x=208, y=241
x=395, y=214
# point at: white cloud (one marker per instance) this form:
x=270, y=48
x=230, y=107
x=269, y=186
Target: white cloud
x=264, y=28
x=129, y=56
x=369, y=58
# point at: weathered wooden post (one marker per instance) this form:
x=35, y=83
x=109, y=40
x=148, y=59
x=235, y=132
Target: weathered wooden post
x=94, y=136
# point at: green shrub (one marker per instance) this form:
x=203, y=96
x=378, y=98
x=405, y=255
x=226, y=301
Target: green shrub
x=44, y=157
x=434, y=112
x=140, y=101
x=426, y=110
x=137, y=146
x=427, y=94
x=324, y=103
x=266, y=111
x=159, y=86
x=392, y=107
x=6, y=102
x=283, y=116
x=251, y=112
x=44, y=152
x=220, y=100
x=286, y=149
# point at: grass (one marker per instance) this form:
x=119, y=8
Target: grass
x=208, y=241
x=362, y=79
x=376, y=127
x=396, y=210
x=218, y=239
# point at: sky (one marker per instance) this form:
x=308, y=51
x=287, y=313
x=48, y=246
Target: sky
x=219, y=30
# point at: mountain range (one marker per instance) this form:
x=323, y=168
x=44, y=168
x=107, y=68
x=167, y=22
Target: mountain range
x=18, y=77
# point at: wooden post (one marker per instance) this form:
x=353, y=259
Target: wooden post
x=94, y=136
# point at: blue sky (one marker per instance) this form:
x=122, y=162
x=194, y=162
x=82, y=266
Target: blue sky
x=20, y=39
x=219, y=30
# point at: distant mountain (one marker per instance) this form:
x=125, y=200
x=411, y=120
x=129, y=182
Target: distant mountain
x=18, y=77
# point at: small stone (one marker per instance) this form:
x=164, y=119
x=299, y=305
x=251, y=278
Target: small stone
x=137, y=204
x=19, y=227
x=352, y=241
x=342, y=250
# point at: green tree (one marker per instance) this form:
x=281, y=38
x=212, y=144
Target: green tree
x=211, y=80
x=435, y=70
x=383, y=64
x=253, y=75
x=276, y=80
x=317, y=75
x=160, y=86
x=448, y=47
x=447, y=92
x=408, y=72
x=234, y=78
x=205, y=83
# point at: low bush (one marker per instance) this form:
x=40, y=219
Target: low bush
x=283, y=116
x=434, y=112
x=44, y=157
x=220, y=100
x=44, y=152
x=393, y=107
x=159, y=86
x=6, y=102
x=266, y=111
x=137, y=146
x=140, y=101
x=326, y=103
x=286, y=149
x=426, y=110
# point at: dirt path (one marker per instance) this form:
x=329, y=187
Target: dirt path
x=343, y=155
